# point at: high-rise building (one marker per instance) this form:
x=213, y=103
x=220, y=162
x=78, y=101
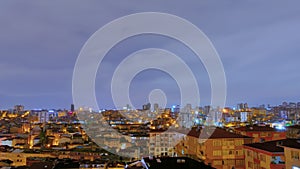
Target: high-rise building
x=147, y=106
x=155, y=107
x=18, y=108
x=207, y=109
x=175, y=109
x=72, y=108
x=242, y=106
x=43, y=116
x=188, y=108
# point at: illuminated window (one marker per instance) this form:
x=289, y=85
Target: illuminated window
x=180, y=160
x=249, y=153
x=255, y=155
x=217, y=162
x=228, y=143
x=217, y=143
x=250, y=164
x=228, y=162
x=240, y=162
x=239, y=142
x=295, y=155
x=231, y=162
x=276, y=135
x=239, y=152
x=262, y=157
x=263, y=134
x=228, y=152
x=217, y=153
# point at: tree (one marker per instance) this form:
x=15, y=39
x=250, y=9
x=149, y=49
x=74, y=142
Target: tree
x=43, y=138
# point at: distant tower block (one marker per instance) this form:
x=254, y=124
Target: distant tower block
x=147, y=106
x=156, y=107
x=19, y=108
x=72, y=108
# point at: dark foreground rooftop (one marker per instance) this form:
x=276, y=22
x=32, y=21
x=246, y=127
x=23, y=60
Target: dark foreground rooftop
x=168, y=163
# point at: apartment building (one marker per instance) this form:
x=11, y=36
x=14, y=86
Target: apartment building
x=261, y=133
x=215, y=146
x=162, y=142
x=267, y=155
x=292, y=153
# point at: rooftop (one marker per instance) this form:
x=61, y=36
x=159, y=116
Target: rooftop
x=204, y=132
x=174, y=163
x=276, y=146
x=256, y=128
x=269, y=146
x=291, y=143
x=294, y=127
x=213, y=133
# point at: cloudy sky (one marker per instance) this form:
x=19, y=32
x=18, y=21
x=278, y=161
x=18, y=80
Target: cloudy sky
x=257, y=41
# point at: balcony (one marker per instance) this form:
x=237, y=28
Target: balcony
x=277, y=166
x=277, y=163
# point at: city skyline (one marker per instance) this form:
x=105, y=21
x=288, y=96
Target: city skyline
x=40, y=42
x=156, y=105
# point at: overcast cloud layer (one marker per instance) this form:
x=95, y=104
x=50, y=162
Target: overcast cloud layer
x=258, y=43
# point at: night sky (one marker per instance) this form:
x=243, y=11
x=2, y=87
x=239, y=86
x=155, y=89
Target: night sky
x=257, y=41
